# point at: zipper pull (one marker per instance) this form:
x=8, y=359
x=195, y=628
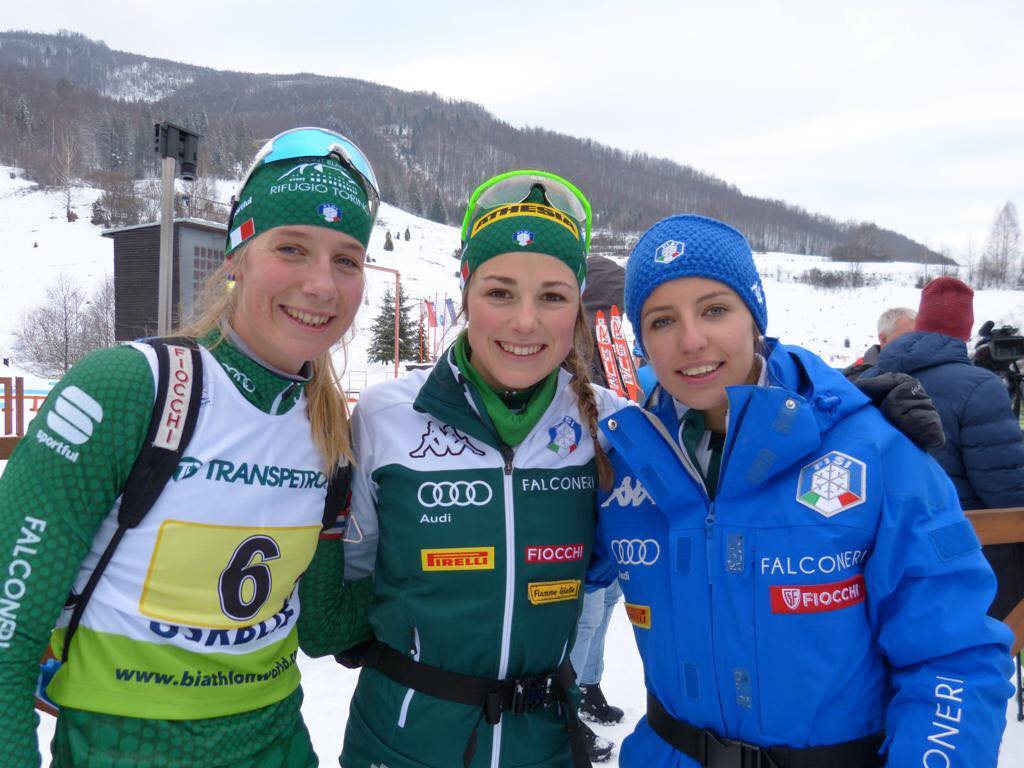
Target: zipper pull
x=507, y=454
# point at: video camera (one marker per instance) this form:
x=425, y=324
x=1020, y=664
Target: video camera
x=998, y=347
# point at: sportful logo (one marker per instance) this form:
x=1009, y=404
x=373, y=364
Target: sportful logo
x=832, y=484
x=635, y=551
x=461, y=493
x=629, y=493
x=565, y=437
x=669, y=251
x=73, y=417
x=444, y=440
x=817, y=598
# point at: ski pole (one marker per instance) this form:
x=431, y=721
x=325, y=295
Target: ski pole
x=1020, y=690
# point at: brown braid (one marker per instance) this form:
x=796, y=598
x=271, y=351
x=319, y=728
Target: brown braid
x=577, y=362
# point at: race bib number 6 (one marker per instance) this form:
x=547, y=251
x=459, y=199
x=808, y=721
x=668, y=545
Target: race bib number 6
x=223, y=577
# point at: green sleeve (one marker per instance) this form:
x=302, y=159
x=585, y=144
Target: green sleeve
x=59, y=485
x=333, y=613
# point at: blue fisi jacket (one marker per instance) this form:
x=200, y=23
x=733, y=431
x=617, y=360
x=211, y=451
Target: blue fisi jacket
x=833, y=588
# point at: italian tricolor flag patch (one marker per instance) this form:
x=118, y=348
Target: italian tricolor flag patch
x=242, y=233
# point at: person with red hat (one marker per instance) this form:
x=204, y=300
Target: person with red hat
x=984, y=451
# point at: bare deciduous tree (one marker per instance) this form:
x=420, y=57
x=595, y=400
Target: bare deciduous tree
x=1000, y=265
x=66, y=326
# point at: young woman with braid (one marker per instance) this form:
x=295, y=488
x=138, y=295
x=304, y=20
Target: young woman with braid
x=474, y=491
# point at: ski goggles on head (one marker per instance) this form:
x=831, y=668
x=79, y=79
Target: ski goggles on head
x=316, y=142
x=515, y=186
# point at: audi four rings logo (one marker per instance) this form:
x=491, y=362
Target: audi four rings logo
x=635, y=551
x=462, y=493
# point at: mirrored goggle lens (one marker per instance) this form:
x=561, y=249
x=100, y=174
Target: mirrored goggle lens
x=515, y=186
x=515, y=189
x=315, y=142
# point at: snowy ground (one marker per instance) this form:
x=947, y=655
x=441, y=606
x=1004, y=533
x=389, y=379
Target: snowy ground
x=40, y=244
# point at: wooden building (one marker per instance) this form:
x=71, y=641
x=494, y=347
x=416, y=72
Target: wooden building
x=198, y=250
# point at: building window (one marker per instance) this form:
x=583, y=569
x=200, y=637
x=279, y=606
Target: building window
x=205, y=262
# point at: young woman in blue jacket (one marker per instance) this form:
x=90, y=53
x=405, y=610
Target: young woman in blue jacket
x=803, y=585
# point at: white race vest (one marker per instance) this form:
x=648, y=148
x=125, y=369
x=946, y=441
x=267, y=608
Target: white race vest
x=195, y=614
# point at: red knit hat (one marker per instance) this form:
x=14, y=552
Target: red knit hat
x=947, y=307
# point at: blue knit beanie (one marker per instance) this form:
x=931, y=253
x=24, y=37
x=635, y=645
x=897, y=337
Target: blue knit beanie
x=692, y=246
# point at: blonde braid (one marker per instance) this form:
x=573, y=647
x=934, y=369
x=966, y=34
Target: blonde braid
x=577, y=362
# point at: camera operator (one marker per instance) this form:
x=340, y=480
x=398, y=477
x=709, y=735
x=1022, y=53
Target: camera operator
x=984, y=451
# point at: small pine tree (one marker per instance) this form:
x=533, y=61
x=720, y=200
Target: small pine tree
x=407, y=235
x=437, y=212
x=388, y=245
x=382, y=334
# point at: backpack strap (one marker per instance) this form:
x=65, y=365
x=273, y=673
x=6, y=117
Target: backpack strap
x=179, y=388
x=336, y=505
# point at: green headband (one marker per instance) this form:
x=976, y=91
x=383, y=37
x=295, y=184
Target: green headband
x=531, y=226
x=318, y=191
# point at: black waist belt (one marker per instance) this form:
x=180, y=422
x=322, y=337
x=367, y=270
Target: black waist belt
x=710, y=749
x=515, y=695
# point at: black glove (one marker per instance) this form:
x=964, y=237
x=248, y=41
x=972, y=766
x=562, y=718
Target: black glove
x=353, y=657
x=903, y=401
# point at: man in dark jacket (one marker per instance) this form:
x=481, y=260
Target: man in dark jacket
x=984, y=451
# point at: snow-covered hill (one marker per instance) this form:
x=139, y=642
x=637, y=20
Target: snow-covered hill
x=40, y=244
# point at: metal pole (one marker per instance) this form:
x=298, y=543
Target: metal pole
x=163, y=326
x=1020, y=690
x=398, y=309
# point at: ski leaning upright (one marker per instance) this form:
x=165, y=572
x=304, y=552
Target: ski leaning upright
x=607, y=353
x=627, y=370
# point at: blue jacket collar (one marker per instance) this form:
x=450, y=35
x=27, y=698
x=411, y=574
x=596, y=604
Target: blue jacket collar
x=772, y=427
x=922, y=349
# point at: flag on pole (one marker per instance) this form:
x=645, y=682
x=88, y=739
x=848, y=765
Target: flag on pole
x=450, y=306
x=431, y=314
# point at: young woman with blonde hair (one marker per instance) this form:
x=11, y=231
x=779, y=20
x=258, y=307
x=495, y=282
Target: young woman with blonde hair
x=178, y=642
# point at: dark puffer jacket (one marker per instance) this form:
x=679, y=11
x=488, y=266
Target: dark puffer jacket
x=984, y=451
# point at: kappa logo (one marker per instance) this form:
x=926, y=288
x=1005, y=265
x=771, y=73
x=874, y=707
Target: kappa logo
x=565, y=437
x=186, y=468
x=461, y=493
x=524, y=237
x=832, y=484
x=443, y=440
x=818, y=598
x=629, y=493
x=74, y=415
x=669, y=251
x=758, y=293
x=329, y=213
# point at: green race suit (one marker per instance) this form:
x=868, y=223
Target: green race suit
x=169, y=667
x=478, y=552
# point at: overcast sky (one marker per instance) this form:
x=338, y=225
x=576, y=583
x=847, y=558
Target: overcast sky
x=910, y=114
